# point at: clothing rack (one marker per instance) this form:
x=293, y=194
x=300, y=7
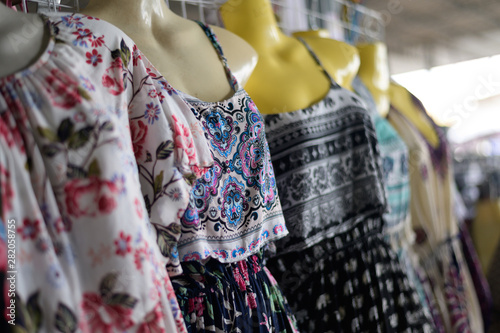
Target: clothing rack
x=41, y=6
x=367, y=25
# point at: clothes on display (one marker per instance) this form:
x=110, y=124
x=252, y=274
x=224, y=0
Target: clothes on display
x=234, y=211
x=437, y=244
x=69, y=183
x=394, y=162
x=332, y=193
x=141, y=205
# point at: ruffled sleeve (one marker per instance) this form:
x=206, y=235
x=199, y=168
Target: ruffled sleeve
x=171, y=153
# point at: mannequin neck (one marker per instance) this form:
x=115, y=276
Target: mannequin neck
x=374, y=72
x=22, y=40
x=138, y=16
x=254, y=21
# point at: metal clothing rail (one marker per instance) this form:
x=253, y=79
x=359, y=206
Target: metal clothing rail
x=300, y=15
x=55, y=5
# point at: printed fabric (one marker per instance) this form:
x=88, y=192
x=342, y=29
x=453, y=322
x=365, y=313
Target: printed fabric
x=254, y=304
x=233, y=212
x=437, y=236
x=394, y=158
x=234, y=209
x=326, y=163
x=336, y=270
x=88, y=258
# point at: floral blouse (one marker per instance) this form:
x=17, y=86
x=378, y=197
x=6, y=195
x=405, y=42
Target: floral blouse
x=91, y=249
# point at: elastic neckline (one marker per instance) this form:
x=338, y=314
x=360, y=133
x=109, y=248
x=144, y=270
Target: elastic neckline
x=41, y=60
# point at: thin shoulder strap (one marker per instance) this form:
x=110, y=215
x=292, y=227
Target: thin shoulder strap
x=332, y=81
x=215, y=42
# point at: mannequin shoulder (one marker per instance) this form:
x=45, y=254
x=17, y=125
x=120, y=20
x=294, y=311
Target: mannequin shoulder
x=340, y=59
x=241, y=57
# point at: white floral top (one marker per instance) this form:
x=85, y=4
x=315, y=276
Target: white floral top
x=88, y=258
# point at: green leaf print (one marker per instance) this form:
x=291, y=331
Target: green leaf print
x=122, y=299
x=164, y=150
x=65, y=129
x=83, y=93
x=167, y=238
x=80, y=138
x=35, y=311
x=94, y=169
x=66, y=320
x=108, y=284
x=47, y=133
x=158, y=185
x=125, y=53
x=51, y=150
x=149, y=157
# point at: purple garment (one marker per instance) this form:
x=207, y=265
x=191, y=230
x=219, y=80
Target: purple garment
x=480, y=283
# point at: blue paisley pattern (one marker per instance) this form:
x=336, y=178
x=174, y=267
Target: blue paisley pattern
x=220, y=129
x=234, y=208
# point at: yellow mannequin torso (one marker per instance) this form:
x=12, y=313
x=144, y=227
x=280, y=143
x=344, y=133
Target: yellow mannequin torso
x=178, y=47
x=402, y=101
x=486, y=231
x=287, y=78
x=374, y=72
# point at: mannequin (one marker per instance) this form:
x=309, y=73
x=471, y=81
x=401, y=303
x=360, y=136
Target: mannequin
x=296, y=81
x=22, y=40
x=348, y=60
x=374, y=72
x=402, y=101
x=158, y=32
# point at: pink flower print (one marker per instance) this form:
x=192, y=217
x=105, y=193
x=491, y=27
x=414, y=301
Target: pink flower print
x=113, y=78
x=87, y=197
x=152, y=93
x=70, y=20
x=196, y=305
x=151, y=73
x=106, y=204
x=64, y=88
x=151, y=113
x=92, y=18
x=6, y=189
x=239, y=279
x=244, y=270
x=97, y=42
x=140, y=256
x=99, y=317
x=30, y=229
x=59, y=225
x=136, y=55
x=168, y=88
x=138, y=131
x=184, y=141
x=138, y=208
x=152, y=322
x=252, y=300
x=93, y=58
x=79, y=117
x=81, y=35
x=123, y=244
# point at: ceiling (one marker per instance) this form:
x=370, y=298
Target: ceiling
x=427, y=33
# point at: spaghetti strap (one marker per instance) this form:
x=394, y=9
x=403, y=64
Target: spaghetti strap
x=215, y=42
x=332, y=81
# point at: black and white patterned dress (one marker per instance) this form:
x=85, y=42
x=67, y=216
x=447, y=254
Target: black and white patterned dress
x=335, y=268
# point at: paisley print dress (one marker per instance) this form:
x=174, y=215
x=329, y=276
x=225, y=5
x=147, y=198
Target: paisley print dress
x=233, y=213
